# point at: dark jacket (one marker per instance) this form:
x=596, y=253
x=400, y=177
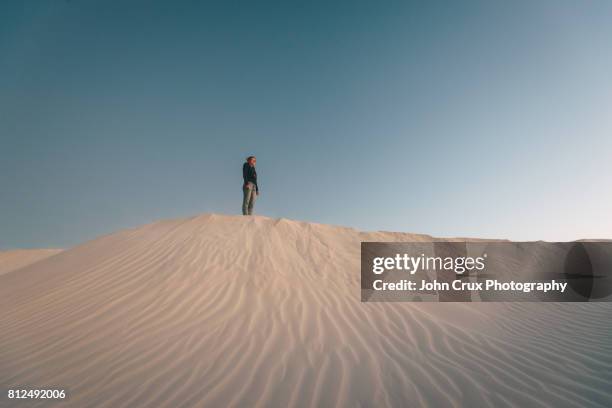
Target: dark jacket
x=249, y=174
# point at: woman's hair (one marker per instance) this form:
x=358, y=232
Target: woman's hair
x=250, y=157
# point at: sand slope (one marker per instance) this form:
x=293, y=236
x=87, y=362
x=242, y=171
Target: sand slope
x=216, y=311
x=18, y=258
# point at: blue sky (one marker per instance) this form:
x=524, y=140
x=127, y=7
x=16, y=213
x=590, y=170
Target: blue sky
x=485, y=119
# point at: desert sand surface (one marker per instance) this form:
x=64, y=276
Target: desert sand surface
x=219, y=311
x=18, y=258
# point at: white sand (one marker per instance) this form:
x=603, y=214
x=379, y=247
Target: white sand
x=217, y=311
x=18, y=258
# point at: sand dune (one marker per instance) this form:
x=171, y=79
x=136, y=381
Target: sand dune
x=18, y=258
x=216, y=311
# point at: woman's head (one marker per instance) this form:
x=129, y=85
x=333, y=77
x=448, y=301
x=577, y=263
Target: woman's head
x=251, y=160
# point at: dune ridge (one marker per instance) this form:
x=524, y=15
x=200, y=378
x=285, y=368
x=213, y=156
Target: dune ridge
x=18, y=258
x=218, y=310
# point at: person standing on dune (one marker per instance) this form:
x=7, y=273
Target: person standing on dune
x=250, y=188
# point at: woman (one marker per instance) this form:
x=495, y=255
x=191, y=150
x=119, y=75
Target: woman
x=250, y=188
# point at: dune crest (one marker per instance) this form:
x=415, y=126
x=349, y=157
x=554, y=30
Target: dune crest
x=19, y=258
x=219, y=310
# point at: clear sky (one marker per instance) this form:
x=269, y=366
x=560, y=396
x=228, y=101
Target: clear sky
x=457, y=118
